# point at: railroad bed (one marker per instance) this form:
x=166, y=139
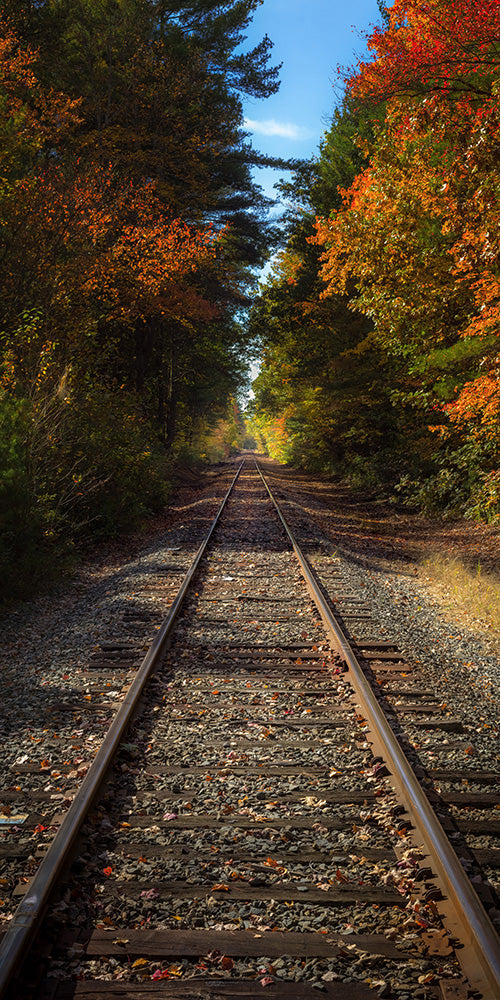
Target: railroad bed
x=248, y=836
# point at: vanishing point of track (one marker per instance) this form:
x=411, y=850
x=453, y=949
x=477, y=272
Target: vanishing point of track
x=254, y=689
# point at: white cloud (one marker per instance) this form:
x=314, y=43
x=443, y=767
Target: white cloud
x=286, y=130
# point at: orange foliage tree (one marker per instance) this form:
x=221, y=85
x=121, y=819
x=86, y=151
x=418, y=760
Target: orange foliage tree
x=415, y=242
x=85, y=251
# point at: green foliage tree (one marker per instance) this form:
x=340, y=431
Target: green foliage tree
x=323, y=397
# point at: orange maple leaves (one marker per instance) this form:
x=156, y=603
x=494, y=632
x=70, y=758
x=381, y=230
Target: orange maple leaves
x=30, y=116
x=150, y=258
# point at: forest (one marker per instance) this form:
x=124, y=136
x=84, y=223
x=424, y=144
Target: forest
x=133, y=233
x=379, y=323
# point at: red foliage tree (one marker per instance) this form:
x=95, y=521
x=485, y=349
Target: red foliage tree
x=432, y=46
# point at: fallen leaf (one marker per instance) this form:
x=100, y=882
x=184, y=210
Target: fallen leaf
x=175, y=970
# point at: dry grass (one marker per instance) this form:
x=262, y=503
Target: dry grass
x=472, y=593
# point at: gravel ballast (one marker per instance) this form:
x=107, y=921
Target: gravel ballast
x=50, y=666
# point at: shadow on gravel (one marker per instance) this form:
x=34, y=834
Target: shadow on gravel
x=367, y=526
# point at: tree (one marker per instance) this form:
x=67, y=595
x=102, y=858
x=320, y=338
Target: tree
x=160, y=88
x=405, y=191
x=413, y=241
x=433, y=47
x=126, y=247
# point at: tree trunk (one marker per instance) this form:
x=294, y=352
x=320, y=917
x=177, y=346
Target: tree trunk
x=171, y=408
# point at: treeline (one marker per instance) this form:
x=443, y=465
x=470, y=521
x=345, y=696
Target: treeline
x=380, y=321
x=130, y=228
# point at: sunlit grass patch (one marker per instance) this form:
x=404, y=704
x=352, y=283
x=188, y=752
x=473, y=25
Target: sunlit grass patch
x=465, y=590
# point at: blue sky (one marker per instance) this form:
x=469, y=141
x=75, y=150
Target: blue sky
x=311, y=38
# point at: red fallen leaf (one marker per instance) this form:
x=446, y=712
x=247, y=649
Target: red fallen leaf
x=107, y=871
x=219, y=887
x=266, y=981
x=39, y=828
x=227, y=963
x=161, y=975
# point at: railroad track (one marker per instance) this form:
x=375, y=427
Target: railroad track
x=251, y=821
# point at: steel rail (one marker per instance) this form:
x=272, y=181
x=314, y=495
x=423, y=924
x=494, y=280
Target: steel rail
x=465, y=917
x=29, y=913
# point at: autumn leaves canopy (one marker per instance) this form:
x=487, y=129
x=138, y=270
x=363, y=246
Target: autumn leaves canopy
x=130, y=224
x=131, y=229
x=401, y=228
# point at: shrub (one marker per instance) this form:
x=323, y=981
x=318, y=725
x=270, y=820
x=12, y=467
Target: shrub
x=74, y=466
